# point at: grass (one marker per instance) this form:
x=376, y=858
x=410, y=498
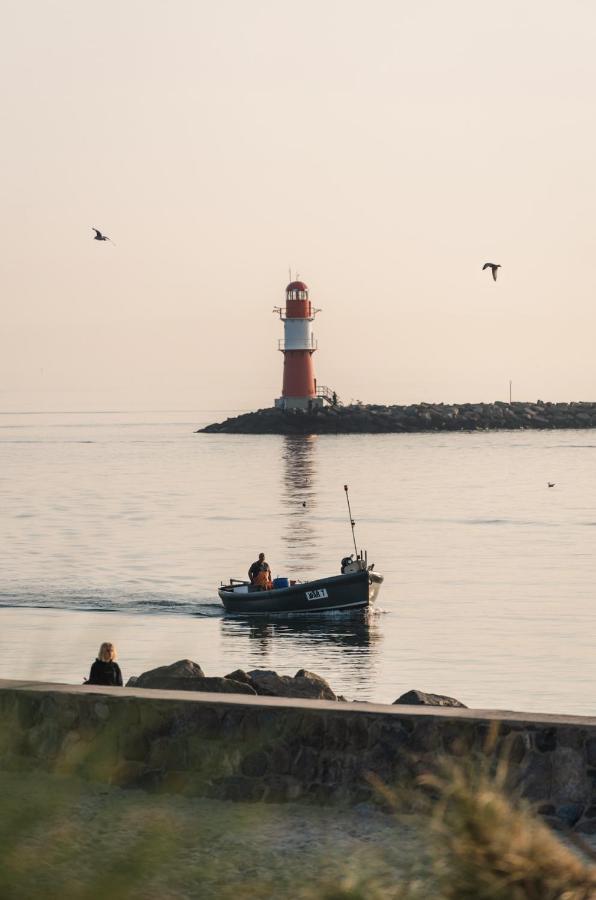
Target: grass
x=483, y=841
x=65, y=838
x=488, y=844
x=471, y=839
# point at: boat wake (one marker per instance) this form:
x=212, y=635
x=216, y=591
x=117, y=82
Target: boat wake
x=109, y=601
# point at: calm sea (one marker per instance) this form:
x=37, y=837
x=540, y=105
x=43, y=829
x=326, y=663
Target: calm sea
x=120, y=526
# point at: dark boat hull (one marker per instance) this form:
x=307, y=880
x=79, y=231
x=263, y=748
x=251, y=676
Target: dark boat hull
x=355, y=591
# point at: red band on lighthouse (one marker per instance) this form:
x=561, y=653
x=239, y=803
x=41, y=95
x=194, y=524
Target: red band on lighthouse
x=299, y=375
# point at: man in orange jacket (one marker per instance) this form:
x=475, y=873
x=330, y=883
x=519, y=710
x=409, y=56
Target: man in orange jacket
x=260, y=574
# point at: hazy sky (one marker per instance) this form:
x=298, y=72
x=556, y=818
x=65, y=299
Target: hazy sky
x=383, y=149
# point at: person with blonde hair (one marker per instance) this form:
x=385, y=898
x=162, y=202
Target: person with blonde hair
x=105, y=669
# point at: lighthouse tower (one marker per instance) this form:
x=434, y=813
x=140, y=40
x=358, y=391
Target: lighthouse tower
x=299, y=390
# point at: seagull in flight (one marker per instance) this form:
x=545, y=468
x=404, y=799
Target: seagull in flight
x=493, y=267
x=101, y=237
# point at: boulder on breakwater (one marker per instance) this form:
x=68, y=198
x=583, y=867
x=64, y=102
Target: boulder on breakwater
x=420, y=417
x=420, y=698
x=186, y=675
x=304, y=684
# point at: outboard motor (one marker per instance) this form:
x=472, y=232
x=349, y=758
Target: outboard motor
x=349, y=565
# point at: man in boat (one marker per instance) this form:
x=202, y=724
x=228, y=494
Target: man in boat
x=260, y=574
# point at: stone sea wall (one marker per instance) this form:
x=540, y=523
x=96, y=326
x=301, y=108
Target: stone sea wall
x=420, y=417
x=252, y=748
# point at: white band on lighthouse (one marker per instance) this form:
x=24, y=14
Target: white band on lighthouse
x=297, y=335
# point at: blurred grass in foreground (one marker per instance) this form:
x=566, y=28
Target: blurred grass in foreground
x=488, y=844
x=472, y=839
x=65, y=838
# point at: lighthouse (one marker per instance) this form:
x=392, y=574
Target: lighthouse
x=299, y=389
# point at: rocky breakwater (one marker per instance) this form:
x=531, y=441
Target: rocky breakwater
x=420, y=417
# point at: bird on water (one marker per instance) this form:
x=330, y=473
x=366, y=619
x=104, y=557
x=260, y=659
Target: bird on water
x=493, y=267
x=101, y=237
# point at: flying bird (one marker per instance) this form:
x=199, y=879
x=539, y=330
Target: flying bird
x=551, y=483
x=101, y=237
x=493, y=267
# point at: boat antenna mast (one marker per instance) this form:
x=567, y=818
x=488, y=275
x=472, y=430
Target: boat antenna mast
x=352, y=522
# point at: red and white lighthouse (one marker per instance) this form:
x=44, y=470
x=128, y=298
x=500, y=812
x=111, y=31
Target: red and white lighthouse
x=299, y=390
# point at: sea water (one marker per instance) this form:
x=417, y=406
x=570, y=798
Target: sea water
x=120, y=526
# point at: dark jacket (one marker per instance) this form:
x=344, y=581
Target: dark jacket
x=105, y=673
x=257, y=567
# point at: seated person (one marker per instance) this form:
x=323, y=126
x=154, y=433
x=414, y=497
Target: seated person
x=105, y=669
x=260, y=574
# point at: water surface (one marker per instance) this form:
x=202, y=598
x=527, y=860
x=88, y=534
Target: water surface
x=119, y=526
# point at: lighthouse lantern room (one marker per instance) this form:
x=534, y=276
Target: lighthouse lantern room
x=299, y=389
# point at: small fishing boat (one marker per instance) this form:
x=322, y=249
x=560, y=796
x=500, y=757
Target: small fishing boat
x=357, y=587
x=347, y=591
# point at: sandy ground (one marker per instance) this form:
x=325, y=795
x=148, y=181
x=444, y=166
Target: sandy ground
x=63, y=838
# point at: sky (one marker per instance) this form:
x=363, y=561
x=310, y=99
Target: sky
x=382, y=149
